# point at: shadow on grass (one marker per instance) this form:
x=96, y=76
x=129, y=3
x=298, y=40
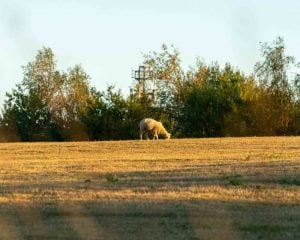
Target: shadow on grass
x=45, y=217
x=148, y=219
x=151, y=181
x=267, y=221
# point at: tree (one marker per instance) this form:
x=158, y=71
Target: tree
x=169, y=74
x=42, y=85
x=76, y=97
x=273, y=75
x=47, y=104
x=213, y=102
x=202, y=113
x=92, y=117
x=27, y=117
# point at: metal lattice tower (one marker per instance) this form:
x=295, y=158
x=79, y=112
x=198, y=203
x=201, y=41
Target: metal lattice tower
x=145, y=83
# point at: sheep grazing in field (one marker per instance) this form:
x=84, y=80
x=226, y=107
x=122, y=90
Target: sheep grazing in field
x=149, y=125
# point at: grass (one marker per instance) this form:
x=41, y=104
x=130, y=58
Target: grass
x=233, y=179
x=264, y=231
x=111, y=178
x=290, y=180
x=222, y=188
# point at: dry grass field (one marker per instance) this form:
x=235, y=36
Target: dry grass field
x=221, y=188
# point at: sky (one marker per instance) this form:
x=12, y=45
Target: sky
x=108, y=37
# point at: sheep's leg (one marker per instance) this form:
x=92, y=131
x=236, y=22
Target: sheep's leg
x=155, y=136
x=141, y=134
x=147, y=136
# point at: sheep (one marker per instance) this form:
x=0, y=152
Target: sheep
x=150, y=125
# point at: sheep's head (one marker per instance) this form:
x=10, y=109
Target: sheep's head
x=168, y=135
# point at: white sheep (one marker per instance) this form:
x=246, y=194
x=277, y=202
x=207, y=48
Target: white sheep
x=150, y=125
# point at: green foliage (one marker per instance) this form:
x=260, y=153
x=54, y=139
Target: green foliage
x=209, y=100
x=26, y=116
x=273, y=76
x=114, y=114
x=46, y=105
x=169, y=75
x=205, y=101
x=202, y=113
x=92, y=116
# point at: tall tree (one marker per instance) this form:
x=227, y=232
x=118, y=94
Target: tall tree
x=273, y=75
x=47, y=104
x=166, y=65
x=77, y=95
x=212, y=101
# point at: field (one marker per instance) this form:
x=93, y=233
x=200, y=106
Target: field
x=221, y=188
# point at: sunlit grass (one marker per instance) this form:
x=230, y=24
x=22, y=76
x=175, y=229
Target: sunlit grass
x=221, y=188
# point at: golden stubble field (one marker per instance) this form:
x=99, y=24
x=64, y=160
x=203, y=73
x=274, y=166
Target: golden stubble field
x=220, y=188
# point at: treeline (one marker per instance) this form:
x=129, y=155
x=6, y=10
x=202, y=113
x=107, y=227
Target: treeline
x=205, y=101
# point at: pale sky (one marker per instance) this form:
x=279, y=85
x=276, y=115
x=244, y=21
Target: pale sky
x=108, y=37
